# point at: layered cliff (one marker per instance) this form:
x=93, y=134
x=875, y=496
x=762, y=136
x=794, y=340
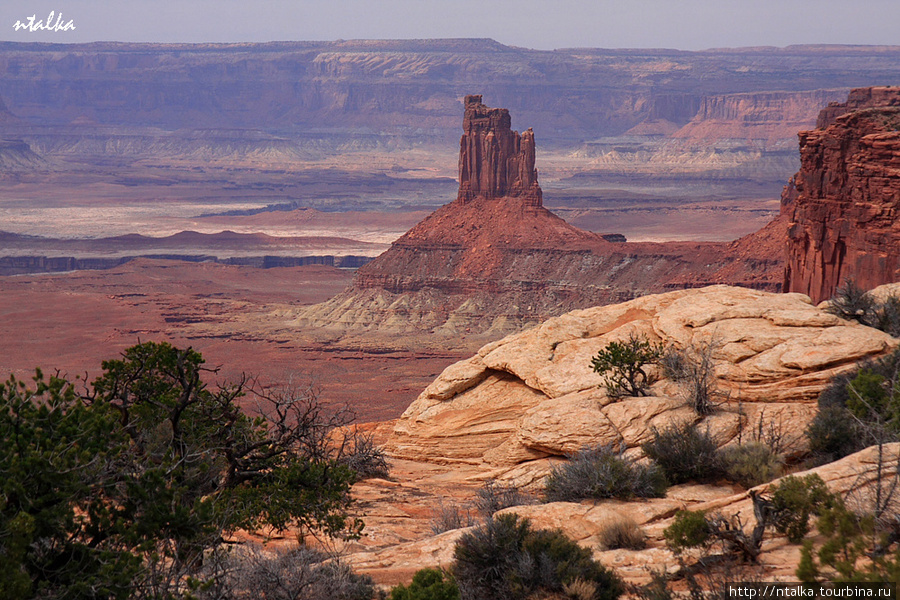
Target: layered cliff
x=495, y=260
x=843, y=221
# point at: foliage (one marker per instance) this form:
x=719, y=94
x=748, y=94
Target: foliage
x=845, y=554
x=118, y=492
x=494, y=496
x=281, y=574
x=834, y=434
x=428, y=584
x=860, y=532
x=690, y=529
x=603, y=472
x=684, y=453
x=858, y=409
x=506, y=558
x=58, y=534
x=623, y=365
x=693, y=368
x=622, y=533
x=795, y=499
x=751, y=464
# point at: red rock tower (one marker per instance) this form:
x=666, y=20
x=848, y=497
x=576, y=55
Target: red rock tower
x=494, y=160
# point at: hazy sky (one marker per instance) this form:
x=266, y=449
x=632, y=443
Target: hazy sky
x=683, y=24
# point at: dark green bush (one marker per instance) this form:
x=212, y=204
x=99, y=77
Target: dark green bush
x=833, y=434
x=506, y=559
x=795, y=499
x=623, y=365
x=751, y=464
x=603, y=472
x=851, y=302
x=857, y=409
x=685, y=453
x=689, y=530
x=428, y=584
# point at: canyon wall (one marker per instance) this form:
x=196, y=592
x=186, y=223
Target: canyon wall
x=413, y=87
x=843, y=219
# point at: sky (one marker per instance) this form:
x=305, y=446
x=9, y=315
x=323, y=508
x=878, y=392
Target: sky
x=545, y=24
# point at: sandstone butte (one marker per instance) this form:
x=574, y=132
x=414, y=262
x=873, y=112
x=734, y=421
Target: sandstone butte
x=495, y=260
x=843, y=210
x=520, y=404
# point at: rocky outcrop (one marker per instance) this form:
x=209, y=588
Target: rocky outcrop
x=843, y=221
x=494, y=160
x=398, y=541
x=495, y=260
x=533, y=395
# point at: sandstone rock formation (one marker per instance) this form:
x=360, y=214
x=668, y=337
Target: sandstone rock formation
x=843, y=221
x=400, y=542
x=495, y=260
x=533, y=395
x=494, y=161
x=514, y=408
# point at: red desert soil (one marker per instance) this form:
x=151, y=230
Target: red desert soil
x=232, y=315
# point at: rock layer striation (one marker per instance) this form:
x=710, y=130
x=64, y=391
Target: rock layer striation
x=533, y=395
x=843, y=219
x=495, y=260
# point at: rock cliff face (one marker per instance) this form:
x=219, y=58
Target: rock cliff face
x=495, y=259
x=767, y=117
x=843, y=220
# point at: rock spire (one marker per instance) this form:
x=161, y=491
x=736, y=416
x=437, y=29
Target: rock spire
x=494, y=160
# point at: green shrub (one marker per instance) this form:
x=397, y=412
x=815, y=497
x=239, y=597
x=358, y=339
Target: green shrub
x=428, y=584
x=689, y=530
x=622, y=533
x=858, y=409
x=685, y=453
x=505, y=558
x=751, y=464
x=833, y=434
x=623, y=365
x=794, y=500
x=603, y=472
